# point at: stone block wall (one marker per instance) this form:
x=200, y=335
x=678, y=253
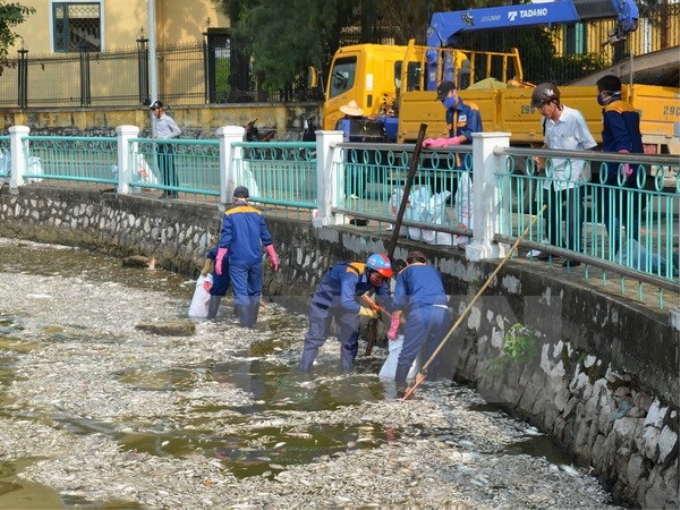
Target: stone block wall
x=598, y=373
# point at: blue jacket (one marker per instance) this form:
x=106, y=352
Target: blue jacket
x=464, y=120
x=621, y=131
x=243, y=233
x=419, y=285
x=344, y=283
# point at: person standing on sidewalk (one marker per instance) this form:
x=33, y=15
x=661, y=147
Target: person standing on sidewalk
x=243, y=234
x=621, y=134
x=165, y=128
x=564, y=128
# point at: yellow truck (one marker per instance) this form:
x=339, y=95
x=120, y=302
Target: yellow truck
x=392, y=85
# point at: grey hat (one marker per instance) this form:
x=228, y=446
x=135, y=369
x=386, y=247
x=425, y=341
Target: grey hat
x=241, y=192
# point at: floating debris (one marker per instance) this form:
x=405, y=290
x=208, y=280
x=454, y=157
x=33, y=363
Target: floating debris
x=108, y=416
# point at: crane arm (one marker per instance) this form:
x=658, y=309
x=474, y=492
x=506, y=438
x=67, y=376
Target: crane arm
x=444, y=26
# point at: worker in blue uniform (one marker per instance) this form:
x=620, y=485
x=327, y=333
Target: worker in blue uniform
x=620, y=133
x=243, y=234
x=462, y=118
x=337, y=297
x=419, y=295
x=220, y=282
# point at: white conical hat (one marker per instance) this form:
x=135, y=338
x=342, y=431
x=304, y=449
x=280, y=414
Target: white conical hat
x=352, y=108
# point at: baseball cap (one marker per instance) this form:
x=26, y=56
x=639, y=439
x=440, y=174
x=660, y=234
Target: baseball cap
x=156, y=104
x=241, y=192
x=443, y=90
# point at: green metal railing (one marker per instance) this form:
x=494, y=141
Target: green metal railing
x=196, y=164
x=281, y=176
x=71, y=161
x=370, y=184
x=5, y=158
x=642, y=246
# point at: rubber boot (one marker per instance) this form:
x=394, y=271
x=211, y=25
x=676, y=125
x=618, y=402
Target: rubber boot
x=242, y=314
x=253, y=312
x=213, y=306
x=307, y=360
x=400, y=380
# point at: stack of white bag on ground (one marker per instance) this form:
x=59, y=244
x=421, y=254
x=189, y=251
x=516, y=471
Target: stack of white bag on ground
x=425, y=207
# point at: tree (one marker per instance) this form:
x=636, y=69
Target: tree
x=11, y=16
x=284, y=38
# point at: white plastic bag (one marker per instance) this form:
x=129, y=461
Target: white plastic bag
x=436, y=214
x=199, y=303
x=34, y=166
x=144, y=172
x=464, y=198
x=389, y=368
x=247, y=178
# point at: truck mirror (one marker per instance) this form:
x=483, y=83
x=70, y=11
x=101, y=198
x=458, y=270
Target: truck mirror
x=312, y=77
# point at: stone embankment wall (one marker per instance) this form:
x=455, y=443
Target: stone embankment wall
x=598, y=373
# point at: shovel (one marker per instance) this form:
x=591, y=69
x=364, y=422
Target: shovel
x=408, y=394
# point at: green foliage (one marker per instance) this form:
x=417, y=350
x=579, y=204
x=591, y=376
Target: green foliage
x=11, y=16
x=284, y=38
x=568, y=68
x=519, y=348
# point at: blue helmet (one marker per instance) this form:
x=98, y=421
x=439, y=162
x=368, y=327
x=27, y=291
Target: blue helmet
x=381, y=264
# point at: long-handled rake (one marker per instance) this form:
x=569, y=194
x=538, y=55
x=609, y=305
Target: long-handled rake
x=422, y=373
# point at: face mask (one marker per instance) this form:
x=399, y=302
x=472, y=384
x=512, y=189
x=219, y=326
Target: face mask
x=450, y=102
x=612, y=97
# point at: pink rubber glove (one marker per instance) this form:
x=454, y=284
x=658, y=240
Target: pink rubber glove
x=456, y=140
x=394, y=326
x=434, y=142
x=624, y=168
x=273, y=257
x=221, y=253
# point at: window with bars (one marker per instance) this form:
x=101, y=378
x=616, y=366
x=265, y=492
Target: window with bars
x=77, y=26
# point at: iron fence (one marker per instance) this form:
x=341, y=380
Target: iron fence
x=202, y=72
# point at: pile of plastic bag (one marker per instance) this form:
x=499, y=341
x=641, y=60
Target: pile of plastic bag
x=425, y=207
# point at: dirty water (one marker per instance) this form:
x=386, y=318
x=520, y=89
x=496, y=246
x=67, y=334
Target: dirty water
x=96, y=414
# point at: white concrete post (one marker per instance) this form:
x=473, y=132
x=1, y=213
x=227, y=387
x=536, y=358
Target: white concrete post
x=328, y=159
x=674, y=316
x=126, y=158
x=18, y=157
x=228, y=155
x=486, y=207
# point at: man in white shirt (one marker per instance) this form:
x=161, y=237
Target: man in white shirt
x=564, y=129
x=165, y=128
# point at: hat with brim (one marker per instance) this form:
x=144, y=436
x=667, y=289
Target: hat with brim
x=155, y=105
x=443, y=90
x=352, y=109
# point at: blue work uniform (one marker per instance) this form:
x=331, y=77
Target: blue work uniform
x=419, y=292
x=220, y=284
x=336, y=297
x=621, y=131
x=244, y=232
x=463, y=120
